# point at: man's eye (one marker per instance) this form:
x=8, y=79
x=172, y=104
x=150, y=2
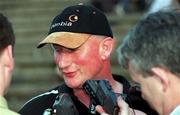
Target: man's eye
x=71, y=50
x=57, y=49
x=65, y=50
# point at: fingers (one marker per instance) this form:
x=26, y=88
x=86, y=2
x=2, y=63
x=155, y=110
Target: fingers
x=100, y=110
x=124, y=108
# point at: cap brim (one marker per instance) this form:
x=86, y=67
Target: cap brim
x=65, y=39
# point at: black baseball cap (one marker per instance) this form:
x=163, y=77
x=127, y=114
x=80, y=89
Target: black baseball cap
x=74, y=25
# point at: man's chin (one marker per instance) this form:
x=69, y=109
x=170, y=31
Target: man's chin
x=73, y=85
x=151, y=104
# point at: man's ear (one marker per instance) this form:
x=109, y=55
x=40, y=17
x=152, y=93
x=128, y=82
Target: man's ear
x=6, y=68
x=162, y=74
x=7, y=58
x=106, y=47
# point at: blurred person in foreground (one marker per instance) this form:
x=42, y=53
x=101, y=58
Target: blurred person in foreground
x=151, y=54
x=7, y=41
x=82, y=41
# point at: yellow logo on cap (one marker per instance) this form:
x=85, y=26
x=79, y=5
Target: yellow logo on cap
x=73, y=18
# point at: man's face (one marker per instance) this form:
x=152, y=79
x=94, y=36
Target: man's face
x=79, y=65
x=150, y=87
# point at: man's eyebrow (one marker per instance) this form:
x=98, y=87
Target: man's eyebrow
x=135, y=83
x=55, y=46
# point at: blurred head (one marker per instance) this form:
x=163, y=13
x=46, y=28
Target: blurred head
x=82, y=41
x=6, y=32
x=7, y=41
x=151, y=53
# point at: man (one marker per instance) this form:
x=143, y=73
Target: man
x=151, y=53
x=82, y=41
x=7, y=41
x=158, y=5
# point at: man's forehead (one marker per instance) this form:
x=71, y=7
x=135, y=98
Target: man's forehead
x=133, y=73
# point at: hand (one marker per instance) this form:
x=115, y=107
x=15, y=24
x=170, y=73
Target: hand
x=124, y=109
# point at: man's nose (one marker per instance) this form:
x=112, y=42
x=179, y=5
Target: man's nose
x=63, y=61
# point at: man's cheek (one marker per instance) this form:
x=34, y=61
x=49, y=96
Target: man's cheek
x=56, y=60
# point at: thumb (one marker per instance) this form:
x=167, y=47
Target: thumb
x=124, y=107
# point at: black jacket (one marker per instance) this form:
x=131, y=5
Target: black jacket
x=38, y=104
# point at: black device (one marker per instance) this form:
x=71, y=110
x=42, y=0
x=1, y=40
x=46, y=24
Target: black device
x=101, y=93
x=63, y=105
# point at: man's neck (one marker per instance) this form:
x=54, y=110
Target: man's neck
x=176, y=110
x=82, y=96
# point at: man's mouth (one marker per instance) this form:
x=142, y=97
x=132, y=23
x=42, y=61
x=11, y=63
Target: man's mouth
x=69, y=74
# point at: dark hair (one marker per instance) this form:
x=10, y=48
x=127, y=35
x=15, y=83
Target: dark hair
x=6, y=32
x=153, y=42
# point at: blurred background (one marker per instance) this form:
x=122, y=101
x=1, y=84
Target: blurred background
x=35, y=71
